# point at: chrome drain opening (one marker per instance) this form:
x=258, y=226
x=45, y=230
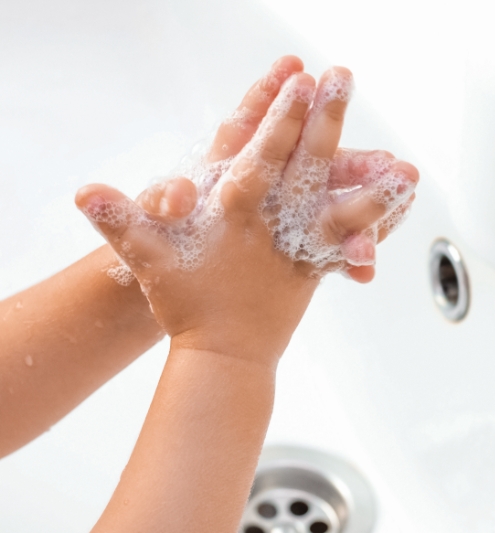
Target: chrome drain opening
x=449, y=280
x=297, y=490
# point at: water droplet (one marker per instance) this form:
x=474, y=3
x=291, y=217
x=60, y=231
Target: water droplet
x=126, y=502
x=19, y=305
x=99, y=324
x=225, y=147
x=28, y=360
x=70, y=338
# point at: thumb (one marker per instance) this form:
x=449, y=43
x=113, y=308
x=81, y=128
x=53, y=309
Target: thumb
x=170, y=200
x=135, y=236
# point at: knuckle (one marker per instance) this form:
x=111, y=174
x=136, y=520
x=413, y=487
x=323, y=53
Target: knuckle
x=234, y=200
x=334, y=111
x=268, y=84
x=274, y=155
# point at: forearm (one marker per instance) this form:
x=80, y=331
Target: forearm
x=64, y=338
x=194, y=462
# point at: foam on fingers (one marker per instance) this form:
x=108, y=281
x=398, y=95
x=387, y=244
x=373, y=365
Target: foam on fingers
x=394, y=219
x=292, y=206
x=291, y=200
x=279, y=131
x=237, y=129
x=113, y=215
x=337, y=84
x=110, y=215
x=355, y=182
x=324, y=123
x=264, y=158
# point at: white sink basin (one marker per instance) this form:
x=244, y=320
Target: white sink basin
x=116, y=92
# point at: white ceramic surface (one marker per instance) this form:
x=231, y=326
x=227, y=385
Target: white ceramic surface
x=118, y=92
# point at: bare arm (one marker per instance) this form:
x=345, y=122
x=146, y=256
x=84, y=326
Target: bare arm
x=64, y=338
x=193, y=464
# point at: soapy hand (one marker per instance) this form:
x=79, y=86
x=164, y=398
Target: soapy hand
x=229, y=259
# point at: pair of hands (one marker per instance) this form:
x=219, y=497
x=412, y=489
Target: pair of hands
x=244, y=296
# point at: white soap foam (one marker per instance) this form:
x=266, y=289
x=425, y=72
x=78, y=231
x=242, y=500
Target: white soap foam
x=241, y=116
x=116, y=214
x=121, y=274
x=339, y=86
x=293, y=206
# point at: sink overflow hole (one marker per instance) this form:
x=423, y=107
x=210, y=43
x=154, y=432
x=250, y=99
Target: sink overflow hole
x=448, y=280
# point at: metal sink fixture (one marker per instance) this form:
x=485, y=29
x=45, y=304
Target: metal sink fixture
x=299, y=490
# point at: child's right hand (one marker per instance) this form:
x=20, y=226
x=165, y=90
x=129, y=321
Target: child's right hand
x=240, y=295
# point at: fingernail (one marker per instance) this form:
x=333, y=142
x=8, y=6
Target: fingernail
x=187, y=205
x=95, y=205
x=340, y=196
x=164, y=206
x=338, y=86
x=299, y=87
x=359, y=250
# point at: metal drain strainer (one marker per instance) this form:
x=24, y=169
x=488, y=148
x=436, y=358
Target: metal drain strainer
x=297, y=490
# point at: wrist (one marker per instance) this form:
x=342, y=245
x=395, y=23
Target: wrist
x=229, y=344
x=126, y=302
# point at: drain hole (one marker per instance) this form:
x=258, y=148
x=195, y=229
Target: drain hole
x=299, y=508
x=448, y=279
x=267, y=510
x=319, y=527
x=253, y=529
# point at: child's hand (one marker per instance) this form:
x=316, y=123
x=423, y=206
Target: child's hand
x=215, y=280
x=229, y=282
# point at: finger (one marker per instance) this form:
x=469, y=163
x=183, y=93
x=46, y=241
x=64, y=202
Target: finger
x=356, y=210
x=311, y=164
x=355, y=167
x=133, y=234
x=171, y=199
x=264, y=158
x=351, y=168
x=359, y=250
x=323, y=126
x=353, y=213
x=238, y=129
x=107, y=209
x=361, y=274
x=391, y=222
